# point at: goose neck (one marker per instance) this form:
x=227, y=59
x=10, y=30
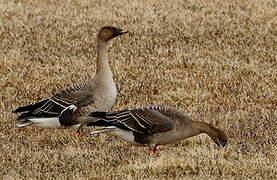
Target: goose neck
x=102, y=64
x=208, y=129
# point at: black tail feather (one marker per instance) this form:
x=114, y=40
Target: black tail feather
x=23, y=109
x=30, y=107
x=24, y=115
x=31, y=115
x=101, y=115
x=100, y=123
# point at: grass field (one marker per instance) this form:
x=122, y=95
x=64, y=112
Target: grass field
x=214, y=59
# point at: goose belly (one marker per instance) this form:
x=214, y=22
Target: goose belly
x=168, y=137
x=123, y=134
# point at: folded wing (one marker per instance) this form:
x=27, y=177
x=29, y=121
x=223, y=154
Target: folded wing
x=77, y=95
x=145, y=120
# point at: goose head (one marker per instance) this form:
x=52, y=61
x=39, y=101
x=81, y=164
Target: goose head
x=220, y=138
x=107, y=33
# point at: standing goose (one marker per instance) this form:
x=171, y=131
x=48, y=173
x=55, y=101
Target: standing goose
x=64, y=107
x=154, y=125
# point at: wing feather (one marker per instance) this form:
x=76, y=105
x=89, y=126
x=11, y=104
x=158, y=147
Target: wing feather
x=79, y=95
x=142, y=120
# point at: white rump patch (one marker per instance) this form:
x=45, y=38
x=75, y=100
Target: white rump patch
x=46, y=122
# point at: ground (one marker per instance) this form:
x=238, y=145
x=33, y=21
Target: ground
x=214, y=59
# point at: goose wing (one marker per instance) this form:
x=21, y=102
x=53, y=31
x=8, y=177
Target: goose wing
x=144, y=120
x=78, y=95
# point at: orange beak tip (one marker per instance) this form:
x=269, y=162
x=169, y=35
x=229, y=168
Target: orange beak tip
x=124, y=31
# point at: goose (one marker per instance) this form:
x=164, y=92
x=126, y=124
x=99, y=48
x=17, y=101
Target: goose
x=153, y=125
x=64, y=107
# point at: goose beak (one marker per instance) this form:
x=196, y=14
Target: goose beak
x=222, y=142
x=123, y=31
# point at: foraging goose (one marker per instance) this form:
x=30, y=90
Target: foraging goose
x=64, y=107
x=154, y=125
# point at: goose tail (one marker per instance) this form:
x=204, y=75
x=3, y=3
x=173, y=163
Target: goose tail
x=24, y=123
x=30, y=107
x=42, y=122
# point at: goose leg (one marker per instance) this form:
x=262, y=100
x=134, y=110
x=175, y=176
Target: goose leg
x=153, y=149
x=78, y=131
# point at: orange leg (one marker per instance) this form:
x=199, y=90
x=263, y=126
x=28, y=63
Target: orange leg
x=153, y=150
x=78, y=131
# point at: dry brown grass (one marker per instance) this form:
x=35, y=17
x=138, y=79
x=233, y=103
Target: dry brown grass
x=214, y=59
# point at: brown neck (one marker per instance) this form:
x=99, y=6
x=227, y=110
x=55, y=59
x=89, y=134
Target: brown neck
x=200, y=127
x=102, y=66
